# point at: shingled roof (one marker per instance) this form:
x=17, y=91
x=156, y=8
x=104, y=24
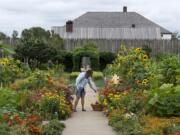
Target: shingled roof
x=115, y=20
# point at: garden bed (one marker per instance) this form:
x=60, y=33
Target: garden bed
x=143, y=96
x=30, y=98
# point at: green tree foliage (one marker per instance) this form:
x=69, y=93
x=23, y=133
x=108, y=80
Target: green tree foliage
x=169, y=68
x=164, y=101
x=2, y=36
x=39, y=45
x=89, y=50
x=15, y=34
x=106, y=58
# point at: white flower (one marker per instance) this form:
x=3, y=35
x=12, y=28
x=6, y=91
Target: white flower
x=129, y=115
x=115, y=79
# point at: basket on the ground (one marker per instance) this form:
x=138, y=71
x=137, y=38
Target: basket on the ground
x=97, y=107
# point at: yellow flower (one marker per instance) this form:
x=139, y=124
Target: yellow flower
x=144, y=82
x=110, y=95
x=125, y=93
x=138, y=50
x=178, y=78
x=117, y=96
x=105, y=102
x=145, y=57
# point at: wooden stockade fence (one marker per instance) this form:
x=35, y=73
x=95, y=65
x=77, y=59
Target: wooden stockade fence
x=113, y=45
x=157, y=46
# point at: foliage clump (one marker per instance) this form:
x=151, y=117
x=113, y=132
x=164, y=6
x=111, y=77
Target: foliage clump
x=89, y=50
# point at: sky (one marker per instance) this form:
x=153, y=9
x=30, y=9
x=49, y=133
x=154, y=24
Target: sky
x=21, y=14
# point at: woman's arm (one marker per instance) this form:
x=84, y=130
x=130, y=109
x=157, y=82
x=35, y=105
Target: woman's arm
x=92, y=86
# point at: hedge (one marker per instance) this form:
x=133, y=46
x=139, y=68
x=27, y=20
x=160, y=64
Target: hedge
x=68, y=61
x=89, y=50
x=106, y=58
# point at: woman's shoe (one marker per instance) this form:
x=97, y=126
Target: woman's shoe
x=74, y=110
x=83, y=110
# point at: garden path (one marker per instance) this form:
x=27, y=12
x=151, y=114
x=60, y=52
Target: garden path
x=89, y=122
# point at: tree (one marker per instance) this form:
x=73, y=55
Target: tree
x=39, y=45
x=15, y=34
x=176, y=35
x=56, y=41
x=2, y=36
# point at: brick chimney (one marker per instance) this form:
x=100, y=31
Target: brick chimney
x=69, y=26
x=133, y=25
x=124, y=9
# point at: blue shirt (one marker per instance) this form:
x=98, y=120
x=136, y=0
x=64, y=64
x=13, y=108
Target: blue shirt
x=82, y=81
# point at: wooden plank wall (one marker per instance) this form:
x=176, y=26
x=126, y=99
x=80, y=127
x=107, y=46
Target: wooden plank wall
x=157, y=46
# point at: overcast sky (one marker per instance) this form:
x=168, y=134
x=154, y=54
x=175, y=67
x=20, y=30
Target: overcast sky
x=20, y=14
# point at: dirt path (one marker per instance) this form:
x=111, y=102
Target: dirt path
x=88, y=123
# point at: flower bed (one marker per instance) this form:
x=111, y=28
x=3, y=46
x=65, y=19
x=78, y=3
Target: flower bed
x=142, y=98
x=32, y=98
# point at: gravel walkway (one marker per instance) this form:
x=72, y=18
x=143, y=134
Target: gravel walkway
x=89, y=122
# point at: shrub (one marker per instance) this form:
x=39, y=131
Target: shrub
x=68, y=61
x=23, y=125
x=164, y=101
x=4, y=129
x=134, y=102
x=89, y=50
x=54, y=127
x=128, y=102
x=18, y=130
x=36, y=80
x=53, y=105
x=106, y=58
x=125, y=124
x=170, y=68
x=10, y=70
x=8, y=98
x=133, y=66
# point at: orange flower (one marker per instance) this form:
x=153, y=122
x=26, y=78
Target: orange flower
x=138, y=82
x=36, y=130
x=6, y=117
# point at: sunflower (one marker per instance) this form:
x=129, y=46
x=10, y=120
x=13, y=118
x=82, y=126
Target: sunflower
x=145, y=57
x=138, y=50
x=145, y=81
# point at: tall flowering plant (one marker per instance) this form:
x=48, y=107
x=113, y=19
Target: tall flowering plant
x=10, y=69
x=55, y=105
x=133, y=65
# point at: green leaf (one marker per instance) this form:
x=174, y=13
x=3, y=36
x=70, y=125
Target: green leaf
x=153, y=100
